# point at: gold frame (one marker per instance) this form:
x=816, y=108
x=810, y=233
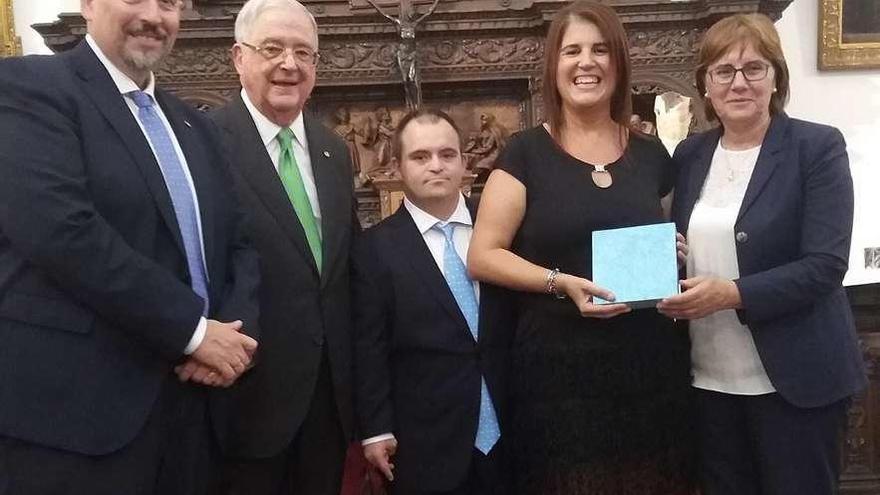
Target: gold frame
x=10, y=44
x=834, y=54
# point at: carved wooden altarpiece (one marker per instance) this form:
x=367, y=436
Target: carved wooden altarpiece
x=480, y=60
x=477, y=59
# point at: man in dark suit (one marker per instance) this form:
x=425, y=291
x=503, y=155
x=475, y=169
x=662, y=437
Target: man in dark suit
x=430, y=344
x=120, y=255
x=284, y=427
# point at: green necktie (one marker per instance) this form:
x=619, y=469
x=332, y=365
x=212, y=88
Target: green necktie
x=296, y=192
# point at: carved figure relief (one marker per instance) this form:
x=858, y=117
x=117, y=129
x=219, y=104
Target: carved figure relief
x=482, y=149
x=368, y=136
x=644, y=126
x=368, y=129
x=351, y=134
x=381, y=144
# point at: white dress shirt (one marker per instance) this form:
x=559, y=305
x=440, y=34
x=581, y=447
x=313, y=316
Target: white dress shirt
x=436, y=242
x=126, y=85
x=723, y=352
x=268, y=131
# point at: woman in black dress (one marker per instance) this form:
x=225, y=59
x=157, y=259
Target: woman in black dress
x=600, y=397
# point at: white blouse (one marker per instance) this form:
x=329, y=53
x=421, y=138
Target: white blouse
x=723, y=353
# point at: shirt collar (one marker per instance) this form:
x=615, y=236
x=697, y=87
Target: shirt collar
x=124, y=83
x=269, y=130
x=425, y=221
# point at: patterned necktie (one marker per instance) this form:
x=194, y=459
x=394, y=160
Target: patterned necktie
x=296, y=192
x=179, y=190
x=462, y=288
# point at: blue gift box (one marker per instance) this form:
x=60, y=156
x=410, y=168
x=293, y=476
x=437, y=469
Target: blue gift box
x=637, y=264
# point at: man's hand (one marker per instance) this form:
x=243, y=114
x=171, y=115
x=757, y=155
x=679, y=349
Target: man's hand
x=197, y=372
x=379, y=455
x=225, y=350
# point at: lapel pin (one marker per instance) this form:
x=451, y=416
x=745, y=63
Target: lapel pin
x=187, y=123
x=326, y=154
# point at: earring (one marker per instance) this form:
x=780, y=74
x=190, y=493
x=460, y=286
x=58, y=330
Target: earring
x=706, y=94
x=774, y=90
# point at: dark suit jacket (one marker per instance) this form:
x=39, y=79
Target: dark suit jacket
x=792, y=244
x=417, y=366
x=301, y=312
x=95, y=301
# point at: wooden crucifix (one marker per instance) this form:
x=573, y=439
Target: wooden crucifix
x=407, y=58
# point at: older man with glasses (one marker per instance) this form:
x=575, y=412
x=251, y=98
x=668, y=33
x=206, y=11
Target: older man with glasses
x=283, y=429
x=121, y=262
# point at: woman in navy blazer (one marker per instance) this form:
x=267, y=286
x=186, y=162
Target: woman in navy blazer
x=767, y=205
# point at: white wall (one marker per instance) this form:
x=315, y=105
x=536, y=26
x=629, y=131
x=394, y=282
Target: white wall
x=848, y=100
x=27, y=12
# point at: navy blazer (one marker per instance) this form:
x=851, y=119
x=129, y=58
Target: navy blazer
x=417, y=366
x=95, y=299
x=792, y=239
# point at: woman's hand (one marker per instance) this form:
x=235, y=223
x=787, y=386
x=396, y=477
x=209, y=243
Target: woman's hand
x=681, y=249
x=581, y=292
x=702, y=296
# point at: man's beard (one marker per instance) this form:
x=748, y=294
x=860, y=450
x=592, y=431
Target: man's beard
x=145, y=60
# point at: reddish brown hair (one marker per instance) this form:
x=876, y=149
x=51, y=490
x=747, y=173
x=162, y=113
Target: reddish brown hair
x=606, y=20
x=756, y=30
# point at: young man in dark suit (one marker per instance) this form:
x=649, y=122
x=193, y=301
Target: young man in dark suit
x=121, y=258
x=430, y=347
x=283, y=428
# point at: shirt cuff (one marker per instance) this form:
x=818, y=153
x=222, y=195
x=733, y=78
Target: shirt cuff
x=198, y=337
x=377, y=438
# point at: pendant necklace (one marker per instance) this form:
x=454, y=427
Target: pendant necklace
x=601, y=176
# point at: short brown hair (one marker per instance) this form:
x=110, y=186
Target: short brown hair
x=609, y=25
x=756, y=30
x=427, y=114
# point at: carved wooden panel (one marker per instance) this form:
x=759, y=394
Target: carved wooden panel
x=861, y=450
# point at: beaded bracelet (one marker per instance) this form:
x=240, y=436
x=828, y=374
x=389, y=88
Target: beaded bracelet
x=552, y=288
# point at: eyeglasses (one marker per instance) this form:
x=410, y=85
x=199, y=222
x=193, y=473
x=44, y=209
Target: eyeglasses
x=274, y=51
x=166, y=5
x=752, y=71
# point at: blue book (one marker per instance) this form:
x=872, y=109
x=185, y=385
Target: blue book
x=638, y=264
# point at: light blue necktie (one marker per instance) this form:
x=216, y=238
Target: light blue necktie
x=488, y=431
x=178, y=188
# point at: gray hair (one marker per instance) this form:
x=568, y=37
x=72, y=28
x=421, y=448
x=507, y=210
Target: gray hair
x=253, y=9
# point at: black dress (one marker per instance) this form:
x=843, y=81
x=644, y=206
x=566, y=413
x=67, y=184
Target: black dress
x=598, y=406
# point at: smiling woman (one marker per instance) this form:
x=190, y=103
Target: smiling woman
x=10, y=44
x=766, y=204
x=601, y=390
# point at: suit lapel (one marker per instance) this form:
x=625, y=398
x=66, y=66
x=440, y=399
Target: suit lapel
x=768, y=160
x=697, y=175
x=100, y=88
x=414, y=250
x=256, y=167
x=334, y=194
x=473, y=206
